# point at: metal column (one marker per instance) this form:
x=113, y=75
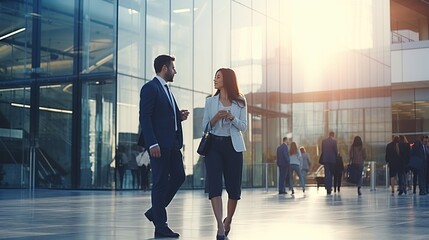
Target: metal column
x=373, y=175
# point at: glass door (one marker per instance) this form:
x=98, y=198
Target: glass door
x=53, y=152
x=97, y=166
x=14, y=137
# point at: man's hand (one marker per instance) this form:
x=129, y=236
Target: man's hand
x=155, y=152
x=184, y=114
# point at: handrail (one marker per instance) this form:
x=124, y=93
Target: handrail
x=7, y=149
x=47, y=161
x=400, y=37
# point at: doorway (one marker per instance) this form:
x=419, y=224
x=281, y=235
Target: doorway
x=14, y=137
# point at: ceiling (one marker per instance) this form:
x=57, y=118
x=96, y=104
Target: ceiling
x=406, y=14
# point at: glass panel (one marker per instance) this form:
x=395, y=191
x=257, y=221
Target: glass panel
x=273, y=9
x=98, y=36
x=222, y=34
x=184, y=101
x=98, y=124
x=131, y=38
x=247, y=3
x=181, y=43
x=15, y=35
x=202, y=39
x=403, y=112
x=55, y=134
x=157, y=32
x=196, y=116
x=128, y=126
x=241, y=46
x=57, y=36
x=260, y=6
x=14, y=134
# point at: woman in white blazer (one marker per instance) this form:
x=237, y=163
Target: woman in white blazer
x=226, y=114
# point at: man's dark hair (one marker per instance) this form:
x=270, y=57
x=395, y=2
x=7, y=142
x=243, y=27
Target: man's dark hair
x=284, y=139
x=331, y=134
x=162, y=60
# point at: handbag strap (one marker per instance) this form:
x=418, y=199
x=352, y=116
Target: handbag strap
x=206, y=130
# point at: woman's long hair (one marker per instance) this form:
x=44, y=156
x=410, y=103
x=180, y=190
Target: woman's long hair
x=293, y=149
x=231, y=86
x=357, y=142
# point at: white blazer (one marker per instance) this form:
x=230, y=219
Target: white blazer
x=238, y=124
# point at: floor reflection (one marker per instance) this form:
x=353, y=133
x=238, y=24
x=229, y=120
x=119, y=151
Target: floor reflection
x=61, y=214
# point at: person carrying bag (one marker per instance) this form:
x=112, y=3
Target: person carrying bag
x=357, y=156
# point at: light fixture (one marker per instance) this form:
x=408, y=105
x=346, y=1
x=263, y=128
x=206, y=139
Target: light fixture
x=12, y=33
x=182, y=10
x=42, y=108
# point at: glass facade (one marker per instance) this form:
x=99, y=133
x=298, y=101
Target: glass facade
x=58, y=91
x=410, y=101
x=70, y=78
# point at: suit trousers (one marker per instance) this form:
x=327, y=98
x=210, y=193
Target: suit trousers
x=168, y=174
x=422, y=178
x=329, y=172
x=283, y=173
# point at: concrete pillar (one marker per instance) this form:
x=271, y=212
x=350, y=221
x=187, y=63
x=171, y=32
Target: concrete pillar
x=423, y=29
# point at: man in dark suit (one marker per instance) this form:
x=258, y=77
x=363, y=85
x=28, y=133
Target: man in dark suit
x=329, y=156
x=283, y=162
x=161, y=128
x=392, y=159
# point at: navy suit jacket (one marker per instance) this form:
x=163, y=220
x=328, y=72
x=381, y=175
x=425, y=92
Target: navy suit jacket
x=392, y=157
x=157, y=117
x=417, y=156
x=283, y=155
x=329, y=150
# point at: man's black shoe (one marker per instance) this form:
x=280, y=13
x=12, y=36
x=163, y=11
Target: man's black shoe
x=149, y=215
x=165, y=232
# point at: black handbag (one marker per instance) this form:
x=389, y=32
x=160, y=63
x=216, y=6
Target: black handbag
x=353, y=174
x=205, y=142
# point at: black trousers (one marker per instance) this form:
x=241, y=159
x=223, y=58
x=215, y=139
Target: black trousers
x=338, y=175
x=223, y=160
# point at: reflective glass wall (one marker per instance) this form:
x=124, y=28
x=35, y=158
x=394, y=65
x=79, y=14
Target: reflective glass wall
x=341, y=76
x=410, y=113
x=58, y=92
x=410, y=101
x=71, y=76
x=252, y=37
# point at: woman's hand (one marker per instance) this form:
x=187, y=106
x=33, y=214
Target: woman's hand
x=221, y=114
x=229, y=116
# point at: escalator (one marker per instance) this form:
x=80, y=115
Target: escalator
x=15, y=146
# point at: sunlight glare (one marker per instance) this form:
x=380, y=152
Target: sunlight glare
x=323, y=31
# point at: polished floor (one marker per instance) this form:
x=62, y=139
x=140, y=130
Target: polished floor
x=62, y=214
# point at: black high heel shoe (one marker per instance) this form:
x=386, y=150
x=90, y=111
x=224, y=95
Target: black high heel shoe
x=226, y=230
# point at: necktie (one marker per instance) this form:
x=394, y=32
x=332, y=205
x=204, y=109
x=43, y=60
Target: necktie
x=172, y=105
x=169, y=95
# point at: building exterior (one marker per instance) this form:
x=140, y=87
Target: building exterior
x=71, y=72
